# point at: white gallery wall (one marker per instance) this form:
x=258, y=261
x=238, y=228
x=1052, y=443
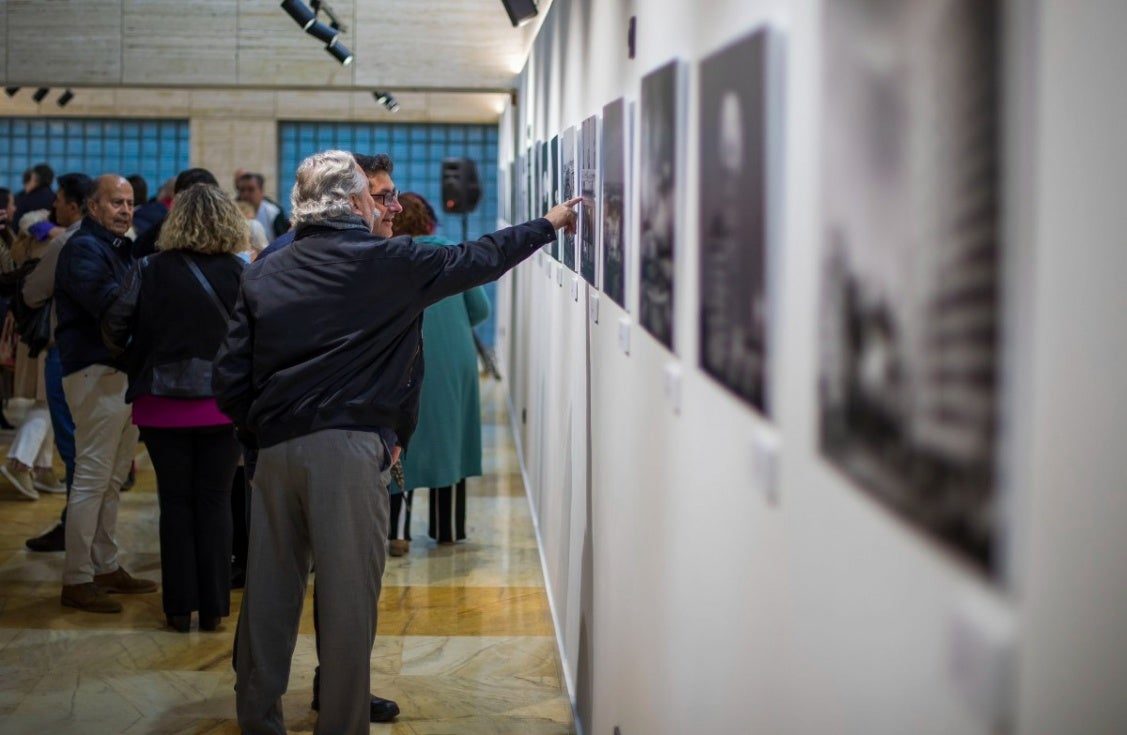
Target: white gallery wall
x=709, y=570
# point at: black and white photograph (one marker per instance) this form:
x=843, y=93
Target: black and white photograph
x=733, y=99
x=544, y=172
x=613, y=200
x=530, y=200
x=658, y=182
x=588, y=209
x=554, y=179
x=568, y=186
x=910, y=322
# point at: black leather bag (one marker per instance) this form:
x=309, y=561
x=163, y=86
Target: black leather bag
x=33, y=325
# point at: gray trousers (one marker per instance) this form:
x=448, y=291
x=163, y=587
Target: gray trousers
x=317, y=498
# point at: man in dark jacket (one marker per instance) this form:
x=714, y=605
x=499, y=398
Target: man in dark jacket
x=91, y=268
x=322, y=366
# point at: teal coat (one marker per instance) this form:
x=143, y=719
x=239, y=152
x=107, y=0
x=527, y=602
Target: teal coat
x=446, y=446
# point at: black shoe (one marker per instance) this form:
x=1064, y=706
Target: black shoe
x=181, y=623
x=209, y=623
x=238, y=578
x=380, y=709
x=53, y=540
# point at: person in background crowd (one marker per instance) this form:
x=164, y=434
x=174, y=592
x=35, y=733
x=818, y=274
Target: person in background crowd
x=446, y=448
x=31, y=455
x=171, y=316
x=39, y=291
x=37, y=193
x=90, y=271
x=326, y=382
x=146, y=243
x=250, y=186
x=147, y=213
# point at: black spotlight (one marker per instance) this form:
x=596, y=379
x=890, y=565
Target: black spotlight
x=65, y=98
x=322, y=32
x=520, y=11
x=40, y=94
x=11, y=91
x=461, y=189
x=301, y=13
x=340, y=53
x=387, y=100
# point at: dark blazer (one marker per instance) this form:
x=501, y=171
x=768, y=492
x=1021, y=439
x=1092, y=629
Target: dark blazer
x=166, y=325
x=92, y=266
x=326, y=332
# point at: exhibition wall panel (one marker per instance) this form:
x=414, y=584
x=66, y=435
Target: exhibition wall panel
x=714, y=565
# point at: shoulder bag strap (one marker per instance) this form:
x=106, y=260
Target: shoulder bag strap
x=206, y=285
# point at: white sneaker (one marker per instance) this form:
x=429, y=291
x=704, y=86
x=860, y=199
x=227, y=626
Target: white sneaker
x=21, y=481
x=45, y=480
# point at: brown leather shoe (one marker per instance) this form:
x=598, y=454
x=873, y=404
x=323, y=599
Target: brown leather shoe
x=121, y=582
x=89, y=597
x=398, y=547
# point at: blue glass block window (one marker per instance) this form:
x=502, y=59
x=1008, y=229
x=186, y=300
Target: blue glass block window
x=155, y=149
x=417, y=151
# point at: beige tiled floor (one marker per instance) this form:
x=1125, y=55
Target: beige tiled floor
x=465, y=641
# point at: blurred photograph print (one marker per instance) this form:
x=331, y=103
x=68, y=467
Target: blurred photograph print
x=909, y=320
x=658, y=182
x=568, y=187
x=614, y=201
x=733, y=98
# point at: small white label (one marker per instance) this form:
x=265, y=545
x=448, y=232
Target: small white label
x=594, y=308
x=575, y=288
x=765, y=464
x=673, y=385
x=981, y=659
x=624, y=334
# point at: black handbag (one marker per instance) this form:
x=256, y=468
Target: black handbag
x=33, y=325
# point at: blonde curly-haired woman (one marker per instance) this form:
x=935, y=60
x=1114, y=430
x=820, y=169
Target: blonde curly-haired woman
x=170, y=319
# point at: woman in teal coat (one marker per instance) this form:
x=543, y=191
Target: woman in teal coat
x=446, y=446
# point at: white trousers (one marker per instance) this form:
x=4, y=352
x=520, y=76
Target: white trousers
x=34, y=444
x=105, y=441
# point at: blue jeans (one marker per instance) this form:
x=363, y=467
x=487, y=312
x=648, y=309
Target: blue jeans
x=61, y=420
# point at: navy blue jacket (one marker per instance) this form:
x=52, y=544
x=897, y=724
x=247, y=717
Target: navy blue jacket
x=92, y=266
x=326, y=332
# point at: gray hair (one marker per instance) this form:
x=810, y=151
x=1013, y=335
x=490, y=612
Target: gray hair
x=322, y=186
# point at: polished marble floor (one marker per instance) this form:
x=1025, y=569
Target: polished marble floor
x=465, y=642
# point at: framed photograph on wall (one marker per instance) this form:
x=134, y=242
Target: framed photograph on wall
x=569, y=185
x=735, y=98
x=614, y=198
x=659, y=181
x=588, y=209
x=554, y=178
x=909, y=322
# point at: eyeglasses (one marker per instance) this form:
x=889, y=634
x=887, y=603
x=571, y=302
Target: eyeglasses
x=388, y=198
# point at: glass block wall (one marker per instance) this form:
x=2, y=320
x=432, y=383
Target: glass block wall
x=156, y=149
x=417, y=151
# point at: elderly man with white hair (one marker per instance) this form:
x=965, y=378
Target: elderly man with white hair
x=322, y=368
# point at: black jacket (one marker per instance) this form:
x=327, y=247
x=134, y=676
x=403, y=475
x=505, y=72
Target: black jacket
x=41, y=198
x=167, y=325
x=92, y=266
x=326, y=332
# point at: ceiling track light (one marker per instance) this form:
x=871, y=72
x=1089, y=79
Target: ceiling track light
x=339, y=52
x=322, y=7
x=387, y=100
x=11, y=91
x=65, y=98
x=40, y=94
x=322, y=32
x=300, y=12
